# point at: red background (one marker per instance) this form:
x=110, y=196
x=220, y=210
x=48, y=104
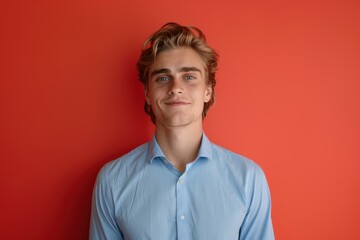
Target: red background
x=287, y=97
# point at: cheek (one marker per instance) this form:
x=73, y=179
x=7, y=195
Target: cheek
x=155, y=95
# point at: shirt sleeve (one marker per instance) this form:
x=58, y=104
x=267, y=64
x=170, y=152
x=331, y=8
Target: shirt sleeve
x=103, y=224
x=257, y=224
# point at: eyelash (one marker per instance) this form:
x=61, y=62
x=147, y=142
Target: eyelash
x=162, y=79
x=166, y=78
x=190, y=77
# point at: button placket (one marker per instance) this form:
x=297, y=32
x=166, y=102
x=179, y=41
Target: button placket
x=181, y=208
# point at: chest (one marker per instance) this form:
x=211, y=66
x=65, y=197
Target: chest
x=160, y=205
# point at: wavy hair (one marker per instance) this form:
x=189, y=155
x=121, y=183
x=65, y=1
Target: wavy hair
x=170, y=36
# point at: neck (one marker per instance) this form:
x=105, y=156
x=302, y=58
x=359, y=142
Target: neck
x=179, y=144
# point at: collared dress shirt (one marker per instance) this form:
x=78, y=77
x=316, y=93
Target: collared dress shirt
x=220, y=196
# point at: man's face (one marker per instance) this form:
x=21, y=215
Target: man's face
x=177, y=88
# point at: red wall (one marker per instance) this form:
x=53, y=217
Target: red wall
x=288, y=96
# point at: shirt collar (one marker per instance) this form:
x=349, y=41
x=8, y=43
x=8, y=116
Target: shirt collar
x=204, y=151
x=205, y=148
x=155, y=150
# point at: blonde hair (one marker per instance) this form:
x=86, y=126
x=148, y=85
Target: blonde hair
x=170, y=36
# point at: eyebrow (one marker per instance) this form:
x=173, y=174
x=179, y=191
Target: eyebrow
x=183, y=69
x=190, y=69
x=159, y=71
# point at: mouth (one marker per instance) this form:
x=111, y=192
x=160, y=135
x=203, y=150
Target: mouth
x=176, y=103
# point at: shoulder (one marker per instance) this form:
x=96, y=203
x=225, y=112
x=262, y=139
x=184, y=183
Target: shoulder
x=227, y=158
x=236, y=169
x=124, y=166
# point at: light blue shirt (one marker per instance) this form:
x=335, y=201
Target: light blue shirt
x=220, y=196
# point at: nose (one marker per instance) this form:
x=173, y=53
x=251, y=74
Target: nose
x=176, y=87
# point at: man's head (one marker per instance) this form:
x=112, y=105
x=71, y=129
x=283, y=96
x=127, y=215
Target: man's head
x=173, y=36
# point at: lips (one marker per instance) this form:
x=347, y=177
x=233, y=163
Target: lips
x=176, y=102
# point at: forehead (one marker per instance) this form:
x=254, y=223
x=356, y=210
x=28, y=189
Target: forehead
x=177, y=58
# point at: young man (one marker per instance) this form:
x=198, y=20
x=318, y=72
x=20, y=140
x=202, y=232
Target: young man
x=180, y=185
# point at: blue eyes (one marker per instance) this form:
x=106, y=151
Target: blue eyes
x=165, y=78
x=189, y=77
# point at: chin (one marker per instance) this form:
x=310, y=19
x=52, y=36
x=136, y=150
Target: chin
x=180, y=122
x=176, y=123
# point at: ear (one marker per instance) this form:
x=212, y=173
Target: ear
x=147, y=97
x=208, y=94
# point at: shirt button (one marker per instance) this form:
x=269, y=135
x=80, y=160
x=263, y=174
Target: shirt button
x=181, y=181
x=182, y=217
